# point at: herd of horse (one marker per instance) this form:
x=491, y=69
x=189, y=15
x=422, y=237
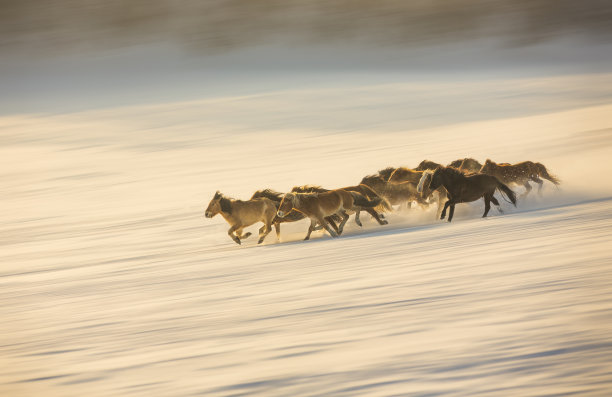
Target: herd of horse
x=461, y=181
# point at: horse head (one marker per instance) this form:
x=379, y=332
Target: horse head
x=286, y=205
x=219, y=203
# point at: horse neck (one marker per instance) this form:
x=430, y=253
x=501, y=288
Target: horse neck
x=449, y=181
x=228, y=202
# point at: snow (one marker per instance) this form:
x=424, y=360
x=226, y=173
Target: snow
x=113, y=282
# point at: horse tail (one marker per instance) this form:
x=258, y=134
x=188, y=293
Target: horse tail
x=362, y=201
x=505, y=190
x=369, y=193
x=543, y=172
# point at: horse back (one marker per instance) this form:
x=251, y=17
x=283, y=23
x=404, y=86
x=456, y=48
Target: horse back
x=335, y=200
x=254, y=210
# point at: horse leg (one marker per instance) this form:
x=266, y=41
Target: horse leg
x=494, y=201
x=539, y=182
x=451, y=212
x=313, y=222
x=443, y=215
x=240, y=235
x=528, y=187
x=441, y=197
x=263, y=232
x=332, y=223
x=345, y=218
x=230, y=233
x=487, y=200
x=379, y=217
x=357, y=220
x=323, y=222
x=277, y=227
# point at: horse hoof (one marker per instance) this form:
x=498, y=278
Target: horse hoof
x=384, y=222
x=246, y=235
x=260, y=241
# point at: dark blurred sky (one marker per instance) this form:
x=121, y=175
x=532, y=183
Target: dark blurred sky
x=55, y=27
x=73, y=54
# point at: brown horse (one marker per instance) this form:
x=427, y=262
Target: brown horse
x=464, y=188
x=467, y=164
x=240, y=214
x=385, y=173
x=410, y=180
x=519, y=174
x=319, y=206
x=364, y=190
x=393, y=193
x=427, y=165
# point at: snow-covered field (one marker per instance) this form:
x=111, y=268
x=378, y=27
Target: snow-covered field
x=112, y=283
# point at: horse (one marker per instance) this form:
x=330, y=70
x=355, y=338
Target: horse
x=240, y=214
x=393, y=193
x=318, y=206
x=467, y=164
x=464, y=188
x=410, y=179
x=276, y=198
x=364, y=190
x=427, y=165
x=519, y=174
x=385, y=173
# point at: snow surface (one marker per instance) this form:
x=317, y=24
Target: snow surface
x=113, y=283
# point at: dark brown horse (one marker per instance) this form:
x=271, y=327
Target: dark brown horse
x=464, y=188
x=519, y=174
x=240, y=214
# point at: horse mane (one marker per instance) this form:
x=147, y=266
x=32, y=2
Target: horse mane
x=308, y=189
x=453, y=172
x=465, y=161
x=224, y=201
x=426, y=174
x=427, y=165
x=456, y=164
x=385, y=173
x=368, y=178
x=268, y=193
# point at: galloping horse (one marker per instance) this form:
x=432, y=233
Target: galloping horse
x=319, y=206
x=364, y=190
x=519, y=174
x=240, y=214
x=410, y=179
x=467, y=164
x=427, y=165
x=464, y=188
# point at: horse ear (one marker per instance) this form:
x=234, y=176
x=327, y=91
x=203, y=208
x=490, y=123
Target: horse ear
x=488, y=161
x=217, y=194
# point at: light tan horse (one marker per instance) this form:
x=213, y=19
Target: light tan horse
x=318, y=206
x=519, y=173
x=364, y=190
x=240, y=214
